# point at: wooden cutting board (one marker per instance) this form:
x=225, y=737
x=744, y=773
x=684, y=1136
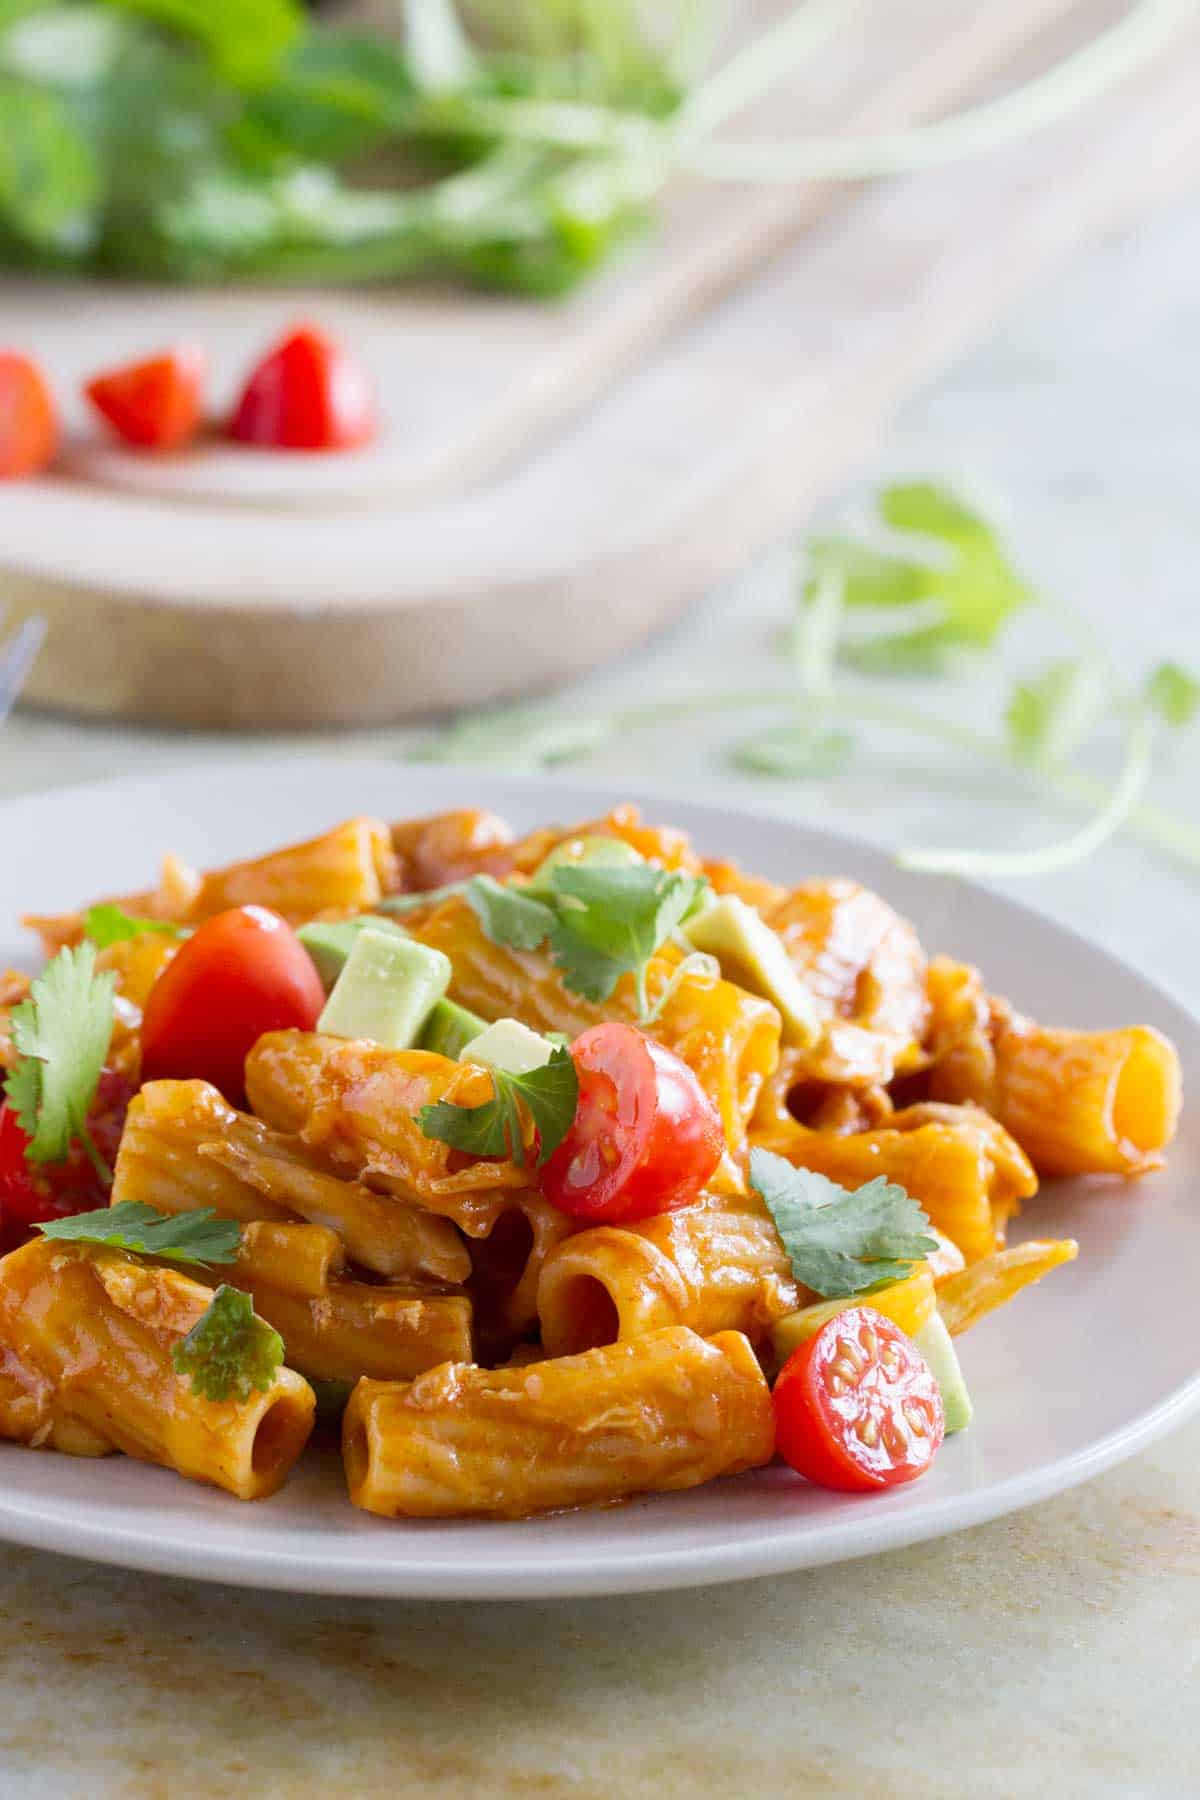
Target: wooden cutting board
x=510, y=529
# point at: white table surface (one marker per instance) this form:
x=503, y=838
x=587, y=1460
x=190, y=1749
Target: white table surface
x=1056, y=1651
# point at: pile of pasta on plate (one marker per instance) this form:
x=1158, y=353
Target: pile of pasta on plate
x=549, y=1170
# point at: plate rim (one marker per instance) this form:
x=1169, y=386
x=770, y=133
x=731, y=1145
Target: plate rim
x=771, y=1549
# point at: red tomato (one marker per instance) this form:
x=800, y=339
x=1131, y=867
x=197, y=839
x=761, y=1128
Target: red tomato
x=646, y=1137
x=243, y=973
x=155, y=404
x=28, y=422
x=858, y=1407
x=30, y=1193
x=307, y=394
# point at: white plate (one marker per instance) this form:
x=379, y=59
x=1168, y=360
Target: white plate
x=1082, y=1372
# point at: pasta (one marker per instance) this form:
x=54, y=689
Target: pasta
x=335, y=1328
x=715, y=1266
x=669, y=1410
x=570, y=1198
x=185, y=1146
x=86, y=1336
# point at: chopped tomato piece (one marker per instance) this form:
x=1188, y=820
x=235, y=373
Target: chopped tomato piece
x=307, y=394
x=31, y=1193
x=154, y=404
x=646, y=1137
x=28, y=421
x=244, y=972
x=857, y=1407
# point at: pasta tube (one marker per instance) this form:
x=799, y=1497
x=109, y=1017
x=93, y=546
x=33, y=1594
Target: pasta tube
x=508, y=1263
x=865, y=966
x=87, y=1335
x=1083, y=1102
x=336, y=1329
x=967, y=1173
x=354, y=1105
x=346, y=870
x=965, y=1298
x=729, y=1038
x=664, y=1412
x=715, y=1266
x=185, y=1146
x=1078, y=1102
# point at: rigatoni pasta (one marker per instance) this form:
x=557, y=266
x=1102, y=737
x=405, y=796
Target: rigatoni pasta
x=549, y=1225
x=665, y=1411
x=86, y=1336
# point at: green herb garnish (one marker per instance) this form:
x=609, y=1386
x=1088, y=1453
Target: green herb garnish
x=612, y=920
x=198, y=1236
x=494, y=1129
x=108, y=924
x=600, y=921
x=230, y=1352
x=841, y=1243
x=507, y=915
x=62, y=1034
x=209, y=139
x=935, y=577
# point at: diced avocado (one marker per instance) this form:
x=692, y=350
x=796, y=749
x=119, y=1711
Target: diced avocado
x=592, y=851
x=449, y=1028
x=937, y=1347
x=386, y=991
x=329, y=943
x=754, y=956
x=510, y=1046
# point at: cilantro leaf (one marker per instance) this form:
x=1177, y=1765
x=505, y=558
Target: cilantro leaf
x=188, y=1237
x=508, y=915
x=107, y=924
x=229, y=1352
x=957, y=596
x=1173, y=693
x=1049, y=717
x=611, y=920
x=494, y=1129
x=62, y=1035
x=841, y=1243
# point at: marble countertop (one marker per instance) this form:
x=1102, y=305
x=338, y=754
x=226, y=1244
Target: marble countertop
x=1055, y=1651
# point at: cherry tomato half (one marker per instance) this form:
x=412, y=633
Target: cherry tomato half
x=31, y=1193
x=154, y=404
x=646, y=1137
x=243, y=973
x=28, y=421
x=858, y=1407
x=307, y=394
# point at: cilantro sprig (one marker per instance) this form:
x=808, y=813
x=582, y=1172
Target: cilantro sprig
x=107, y=924
x=841, y=1243
x=230, y=1352
x=61, y=1033
x=600, y=921
x=933, y=576
x=494, y=1128
x=198, y=1236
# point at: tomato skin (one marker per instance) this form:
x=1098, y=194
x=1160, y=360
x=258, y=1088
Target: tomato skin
x=306, y=394
x=244, y=972
x=28, y=418
x=857, y=1408
x=155, y=404
x=646, y=1137
x=31, y=1193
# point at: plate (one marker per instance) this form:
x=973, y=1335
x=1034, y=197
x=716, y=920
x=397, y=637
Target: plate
x=1059, y=1395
